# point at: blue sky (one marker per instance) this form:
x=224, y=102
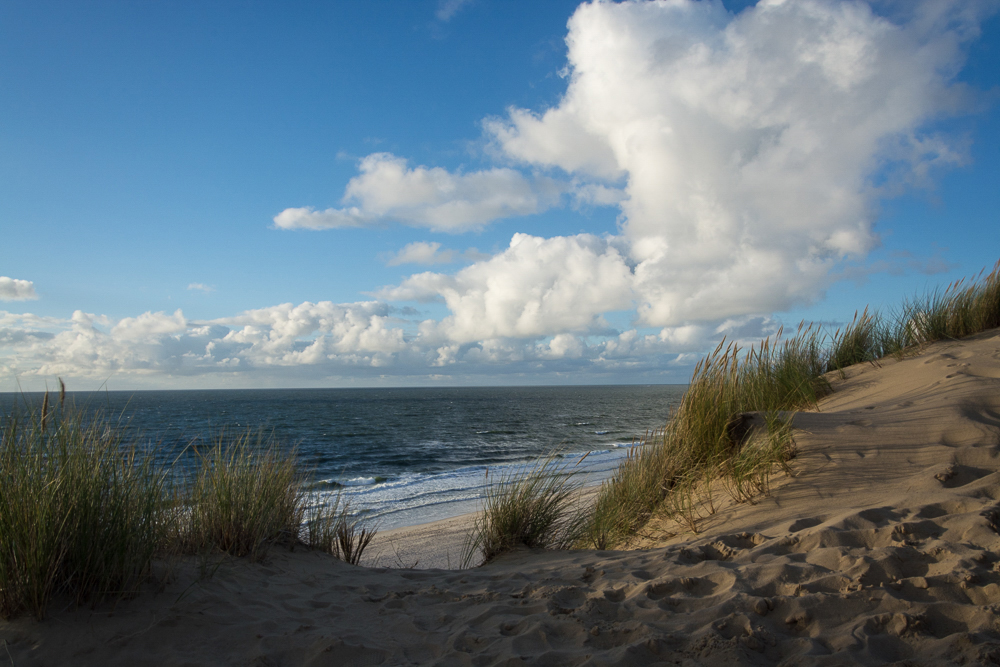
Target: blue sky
x=476, y=192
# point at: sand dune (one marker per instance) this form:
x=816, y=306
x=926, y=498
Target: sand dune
x=882, y=548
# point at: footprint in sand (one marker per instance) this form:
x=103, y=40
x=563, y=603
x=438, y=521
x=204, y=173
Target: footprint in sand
x=955, y=475
x=802, y=524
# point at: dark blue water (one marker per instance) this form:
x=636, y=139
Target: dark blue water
x=404, y=455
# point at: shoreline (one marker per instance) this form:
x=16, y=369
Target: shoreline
x=433, y=545
x=436, y=544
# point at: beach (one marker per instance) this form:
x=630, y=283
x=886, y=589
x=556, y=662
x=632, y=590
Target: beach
x=882, y=547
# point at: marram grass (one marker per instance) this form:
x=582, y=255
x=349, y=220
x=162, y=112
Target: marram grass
x=706, y=440
x=530, y=507
x=243, y=498
x=703, y=438
x=85, y=511
x=80, y=511
x=329, y=527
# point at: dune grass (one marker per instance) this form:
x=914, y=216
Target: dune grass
x=707, y=436
x=962, y=309
x=244, y=497
x=85, y=510
x=732, y=425
x=330, y=527
x=746, y=474
x=530, y=507
x=80, y=511
x=249, y=494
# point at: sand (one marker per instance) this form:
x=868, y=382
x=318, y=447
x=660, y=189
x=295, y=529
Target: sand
x=440, y=544
x=436, y=545
x=882, y=548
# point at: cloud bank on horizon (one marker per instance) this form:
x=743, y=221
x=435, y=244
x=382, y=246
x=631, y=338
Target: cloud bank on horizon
x=747, y=154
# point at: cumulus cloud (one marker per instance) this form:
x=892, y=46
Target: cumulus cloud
x=320, y=334
x=752, y=146
x=274, y=335
x=535, y=288
x=747, y=153
x=146, y=325
x=301, y=342
x=90, y=345
x=421, y=252
x=389, y=190
x=28, y=320
x=13, y=289
x=428, y=253
x=201, y=287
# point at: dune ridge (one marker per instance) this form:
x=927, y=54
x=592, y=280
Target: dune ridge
x=883, y=547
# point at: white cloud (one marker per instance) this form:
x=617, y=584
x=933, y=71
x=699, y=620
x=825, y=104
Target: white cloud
x=13, y=289
x=307, y=217
x=746, y=153
x=448, y=8
x=429, y=253
x=307, y=335
x=564, y=345
x=146, y=325
x=595, y=194
x=536, y=287
x=275, y=334
x=421, y=252
x=201, y=287
x=555, y=139
x=28, y=320
x=302, y=344
x=88, y=345
x=749, y=144
x=388, y=190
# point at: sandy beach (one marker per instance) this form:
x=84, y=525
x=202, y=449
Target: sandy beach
x=882, y=548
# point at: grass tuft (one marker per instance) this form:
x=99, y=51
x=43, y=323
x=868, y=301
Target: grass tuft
x=528, y=507
x=706, y=433
x=79, y=513
x=330, y=527
x=84, y=510
x=747, y=473
x=244, y=497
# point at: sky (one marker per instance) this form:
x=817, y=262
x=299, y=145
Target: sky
x=476, y=192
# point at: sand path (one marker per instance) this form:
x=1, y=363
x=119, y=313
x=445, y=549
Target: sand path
x=882, y=548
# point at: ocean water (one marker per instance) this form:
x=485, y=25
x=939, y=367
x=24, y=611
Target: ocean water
x=402, y=456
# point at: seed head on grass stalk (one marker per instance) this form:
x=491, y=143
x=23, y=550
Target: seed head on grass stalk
x=959, y=310
x=79, y=512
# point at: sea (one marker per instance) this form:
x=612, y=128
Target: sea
x=402, y=456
